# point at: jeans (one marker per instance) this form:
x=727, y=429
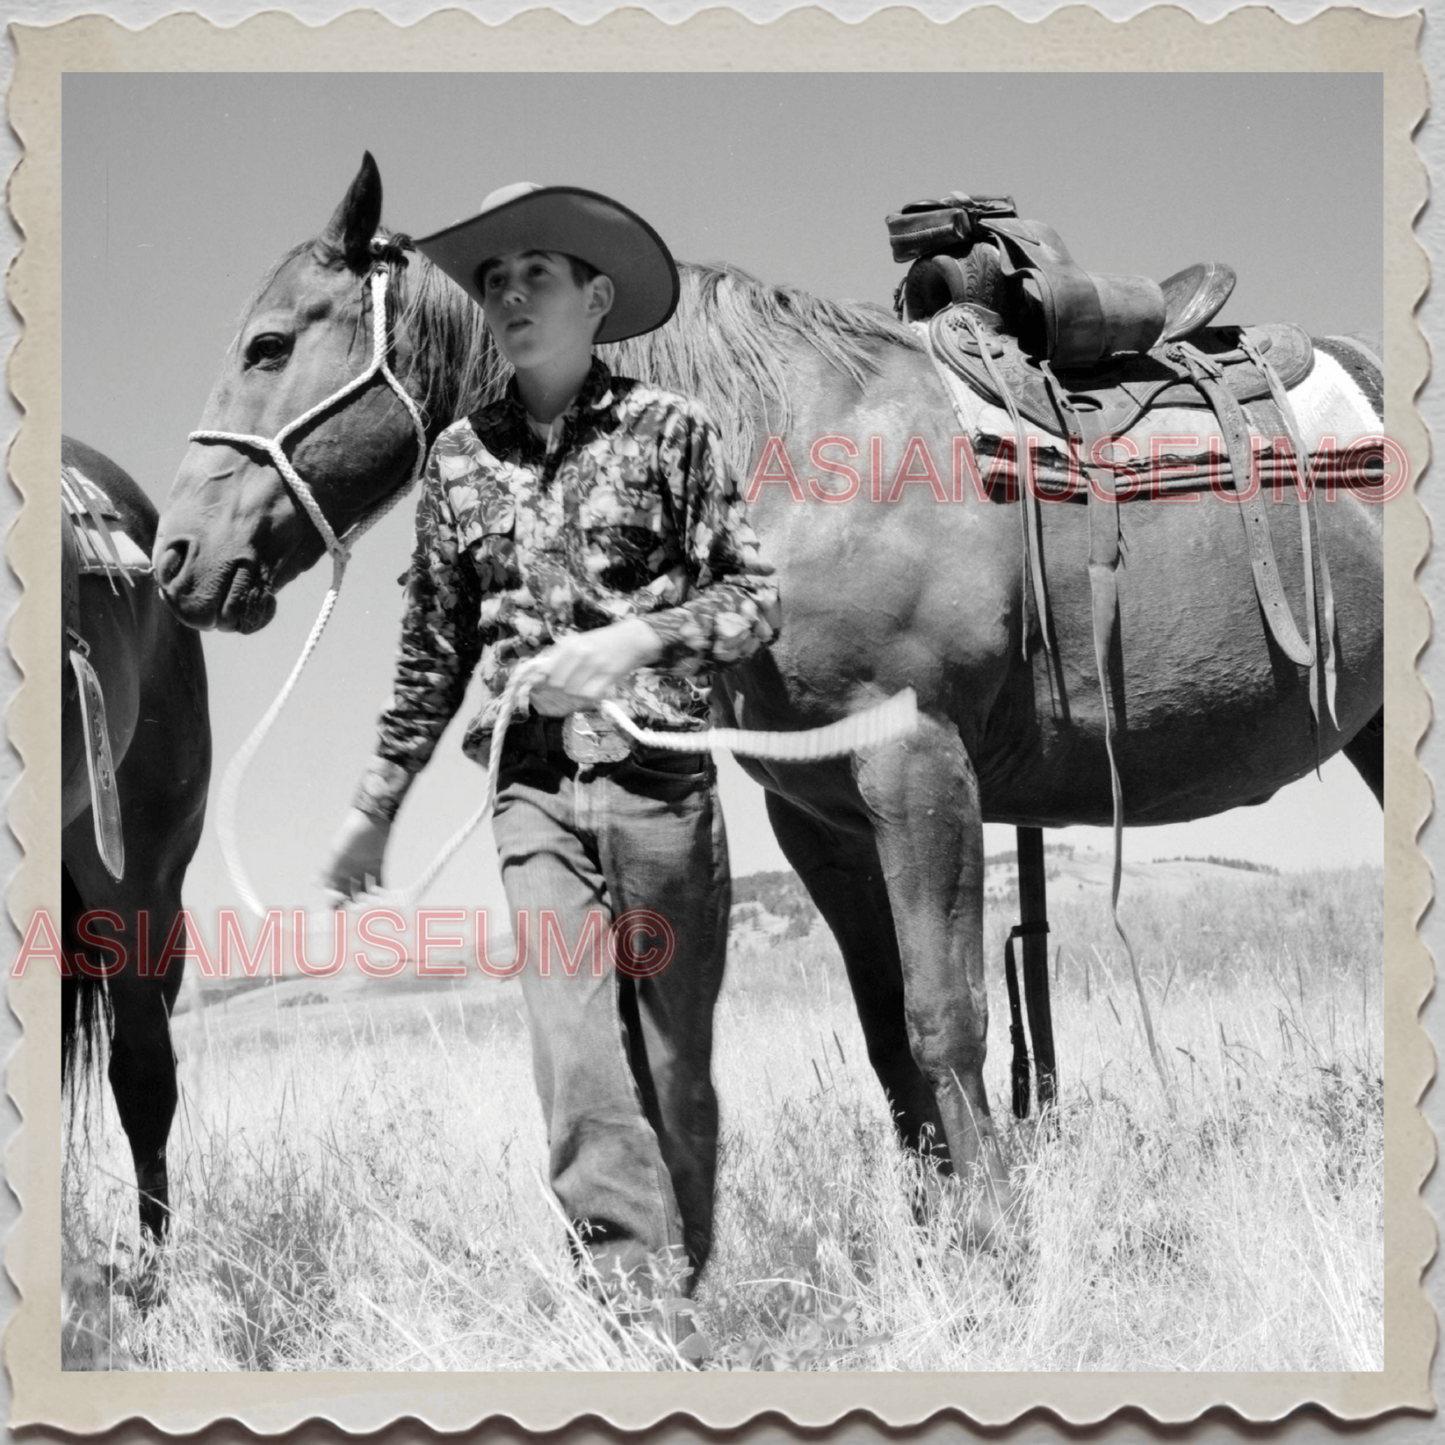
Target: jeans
x=622, y=1063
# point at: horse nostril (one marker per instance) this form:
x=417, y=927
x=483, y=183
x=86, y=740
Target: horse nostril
x=171, y=561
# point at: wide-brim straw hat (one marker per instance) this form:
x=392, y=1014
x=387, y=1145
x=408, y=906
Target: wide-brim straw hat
x=595, y=228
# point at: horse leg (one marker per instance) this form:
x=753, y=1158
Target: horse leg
x=162, y=783
x=142, y=1068
x=143, y=1080
x=1366, y=750
x=845, y=879
x=924, y=798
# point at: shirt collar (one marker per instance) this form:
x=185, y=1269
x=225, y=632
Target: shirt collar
x=594, y=395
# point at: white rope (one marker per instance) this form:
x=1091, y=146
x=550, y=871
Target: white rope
x=883, y=723
x=886, y=722
x=236, y=769
x=338, y=547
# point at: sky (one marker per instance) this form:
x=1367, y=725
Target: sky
x=180, y=190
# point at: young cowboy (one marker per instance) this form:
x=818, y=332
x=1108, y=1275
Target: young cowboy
x=590, y=523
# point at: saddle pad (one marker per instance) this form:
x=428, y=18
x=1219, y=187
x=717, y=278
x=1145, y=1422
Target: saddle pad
x=101, y=543
x=1180, y=449
x=1126, y=387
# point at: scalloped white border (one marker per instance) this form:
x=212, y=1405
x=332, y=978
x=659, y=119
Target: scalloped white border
x=448, y=1402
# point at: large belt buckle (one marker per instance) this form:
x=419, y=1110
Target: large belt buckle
x=587, y=737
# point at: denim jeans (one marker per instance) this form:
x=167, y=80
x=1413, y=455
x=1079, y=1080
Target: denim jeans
x=622, y=1061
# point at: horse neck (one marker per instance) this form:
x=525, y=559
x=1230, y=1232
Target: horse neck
x=454, y=366
x=751, y=352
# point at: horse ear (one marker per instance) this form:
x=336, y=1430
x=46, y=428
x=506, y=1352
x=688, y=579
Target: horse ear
x=348, y=234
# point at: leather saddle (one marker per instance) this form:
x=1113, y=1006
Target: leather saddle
x=1120, y=390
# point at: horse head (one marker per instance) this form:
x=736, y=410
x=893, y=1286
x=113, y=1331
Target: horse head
x=235, y=529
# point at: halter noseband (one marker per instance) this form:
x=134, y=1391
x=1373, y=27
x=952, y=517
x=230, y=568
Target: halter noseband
x=339, y=548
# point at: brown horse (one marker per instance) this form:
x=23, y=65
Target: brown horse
x=153, y=680
x=923, y=593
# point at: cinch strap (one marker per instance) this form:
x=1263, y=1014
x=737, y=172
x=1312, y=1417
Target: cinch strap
x=1019, y=1073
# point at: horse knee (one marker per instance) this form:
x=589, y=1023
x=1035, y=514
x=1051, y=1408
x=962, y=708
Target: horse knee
x=950, y=1051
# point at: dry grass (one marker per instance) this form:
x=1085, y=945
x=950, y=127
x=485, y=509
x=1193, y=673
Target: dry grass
x=358, y=1186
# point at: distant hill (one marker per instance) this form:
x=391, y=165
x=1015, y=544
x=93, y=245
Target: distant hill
x=776, y=904
x=773, y=903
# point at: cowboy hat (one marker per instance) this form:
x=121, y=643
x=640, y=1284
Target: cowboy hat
x=527, y=217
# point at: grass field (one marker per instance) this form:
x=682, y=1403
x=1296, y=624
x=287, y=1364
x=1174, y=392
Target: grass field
x=357, y=1181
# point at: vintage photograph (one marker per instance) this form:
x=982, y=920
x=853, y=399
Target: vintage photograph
x=722, y=722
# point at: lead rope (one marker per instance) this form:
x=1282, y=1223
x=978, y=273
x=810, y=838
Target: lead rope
x=339, y=549
x=885, y=722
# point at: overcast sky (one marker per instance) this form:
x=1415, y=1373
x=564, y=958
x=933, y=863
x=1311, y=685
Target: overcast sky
x=179, y=190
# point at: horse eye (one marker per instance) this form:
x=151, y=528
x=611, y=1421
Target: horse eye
x=267, y=349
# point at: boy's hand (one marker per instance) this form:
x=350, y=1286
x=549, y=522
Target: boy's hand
x=356, y=856
x=582, y=669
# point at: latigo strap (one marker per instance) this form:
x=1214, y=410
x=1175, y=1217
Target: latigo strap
x=104, y=796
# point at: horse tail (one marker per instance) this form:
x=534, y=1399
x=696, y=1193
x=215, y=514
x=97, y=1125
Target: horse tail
x=85, y=1008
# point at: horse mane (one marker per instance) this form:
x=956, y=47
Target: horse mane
x=456, y=365
x=724, y=345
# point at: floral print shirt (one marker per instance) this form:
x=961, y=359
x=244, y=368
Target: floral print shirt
x=634, y=512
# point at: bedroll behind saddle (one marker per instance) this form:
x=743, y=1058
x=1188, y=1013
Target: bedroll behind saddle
x=979, y=250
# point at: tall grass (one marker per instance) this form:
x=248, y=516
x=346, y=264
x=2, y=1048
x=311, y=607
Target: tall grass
x=359, y=1186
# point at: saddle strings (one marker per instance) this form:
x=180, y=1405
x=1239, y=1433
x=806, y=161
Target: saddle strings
x=339, y=549
x=1100, y=575
x=1322, y=640
x=1029, y=516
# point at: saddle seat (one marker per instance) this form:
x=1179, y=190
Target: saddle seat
x=1118, y=393
x=1212, y=375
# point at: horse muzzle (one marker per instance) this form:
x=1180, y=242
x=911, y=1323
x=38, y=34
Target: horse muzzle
x=234, y=597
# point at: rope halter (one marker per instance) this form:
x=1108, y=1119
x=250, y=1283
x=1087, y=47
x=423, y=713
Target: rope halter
x=339, y=548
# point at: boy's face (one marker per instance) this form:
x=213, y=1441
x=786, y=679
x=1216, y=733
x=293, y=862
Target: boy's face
x=536, y=310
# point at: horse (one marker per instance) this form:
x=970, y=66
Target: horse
x=912, y=589
x=117, y=931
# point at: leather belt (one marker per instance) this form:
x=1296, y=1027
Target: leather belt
x=581, y=738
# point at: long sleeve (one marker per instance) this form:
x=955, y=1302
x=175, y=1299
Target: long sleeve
x=731, y=606
x=440, y=645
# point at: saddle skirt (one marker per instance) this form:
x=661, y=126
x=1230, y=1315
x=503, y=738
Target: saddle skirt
x=1150, y=399
x=102, y=546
